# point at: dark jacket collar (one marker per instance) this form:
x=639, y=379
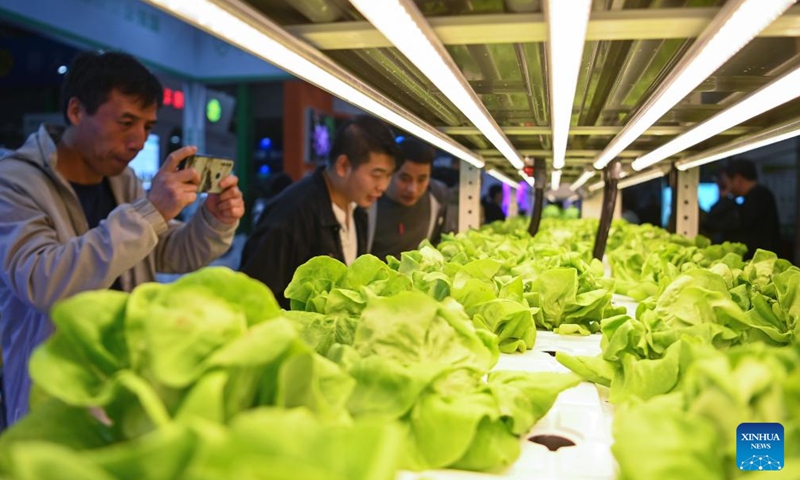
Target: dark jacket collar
x=323, y=196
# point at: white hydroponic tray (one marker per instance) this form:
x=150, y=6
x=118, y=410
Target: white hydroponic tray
x=579, y=415
x=624, y=301
x=578, y=345
x=582, y=345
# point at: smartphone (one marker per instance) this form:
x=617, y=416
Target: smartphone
x=211, y=170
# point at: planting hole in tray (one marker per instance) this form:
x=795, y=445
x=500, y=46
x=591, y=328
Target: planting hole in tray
x=552, y=442
x=552, y=353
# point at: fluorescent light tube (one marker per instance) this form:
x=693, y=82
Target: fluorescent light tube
x=738, y=22
x=596, y=186
x=407, y=29
x=582, y=179
x=640, y=178
x=503, y=178
x=555, y=180
x=760, y=139
x=567, y=21
x=246, y=28
x=771, y=95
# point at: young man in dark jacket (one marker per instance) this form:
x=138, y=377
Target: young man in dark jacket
x=755, y=221
x=320, y=214
x=414, y=207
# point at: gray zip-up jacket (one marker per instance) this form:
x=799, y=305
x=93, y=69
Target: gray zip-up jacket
x=48, y=253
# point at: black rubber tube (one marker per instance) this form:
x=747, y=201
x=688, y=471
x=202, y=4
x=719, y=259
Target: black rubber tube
x=611, y=176
x=536, y=216
x=606, y=215
x=540, y=183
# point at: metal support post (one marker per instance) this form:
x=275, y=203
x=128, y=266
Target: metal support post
x=513, y=207
x=687, y=214
x=469, y=197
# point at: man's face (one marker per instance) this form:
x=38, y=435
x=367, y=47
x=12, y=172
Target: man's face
x=409, y=183
x=737, y=185
x=117, y=131
x=367, y=183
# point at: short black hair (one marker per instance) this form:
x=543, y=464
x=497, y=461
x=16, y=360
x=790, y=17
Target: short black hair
x=93, y=75
x=743, y=167
x=360, y=137
x=416, y=151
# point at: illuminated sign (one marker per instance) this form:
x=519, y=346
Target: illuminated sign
x=213, y=110
x=174, y=99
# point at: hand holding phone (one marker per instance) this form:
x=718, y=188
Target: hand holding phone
x=211, y=170
x=174, y=189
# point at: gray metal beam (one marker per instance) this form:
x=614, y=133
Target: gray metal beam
x=687, y=214
x=570, y=153
x=589, y=130
x=636, y=24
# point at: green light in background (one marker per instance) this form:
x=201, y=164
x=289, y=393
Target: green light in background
x=213, y=110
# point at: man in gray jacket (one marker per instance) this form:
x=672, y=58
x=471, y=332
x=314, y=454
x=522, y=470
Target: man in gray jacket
x=73, y=216
x=414, y=206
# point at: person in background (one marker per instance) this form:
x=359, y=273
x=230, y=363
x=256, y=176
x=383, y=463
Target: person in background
x=719, y=212
x=74, y=217
x=319, y=214
x=752, y=220
x=492, y=204
x=275, y=184
x=651, y=212
x=448, y=175
x=628, y=209
x=414, y=207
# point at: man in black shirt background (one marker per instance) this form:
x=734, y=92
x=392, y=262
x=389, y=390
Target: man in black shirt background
x=752, y=220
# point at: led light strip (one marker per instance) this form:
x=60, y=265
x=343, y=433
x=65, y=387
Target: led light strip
x=582, y=179
x=246, y=28
x=555, y=180
x=567, y=22
x=407, y=29
x=503, y=178
x=766, y=137
x=597, y=186
x=632, y=180
x=777, y=92
x=738, y=22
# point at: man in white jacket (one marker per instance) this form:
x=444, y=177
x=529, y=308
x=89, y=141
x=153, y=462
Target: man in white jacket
x=74, y=217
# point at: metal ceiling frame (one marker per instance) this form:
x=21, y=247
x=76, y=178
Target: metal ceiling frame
x=635, y=24
x=631, y=46
x=593, y=130
x=549, y=153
